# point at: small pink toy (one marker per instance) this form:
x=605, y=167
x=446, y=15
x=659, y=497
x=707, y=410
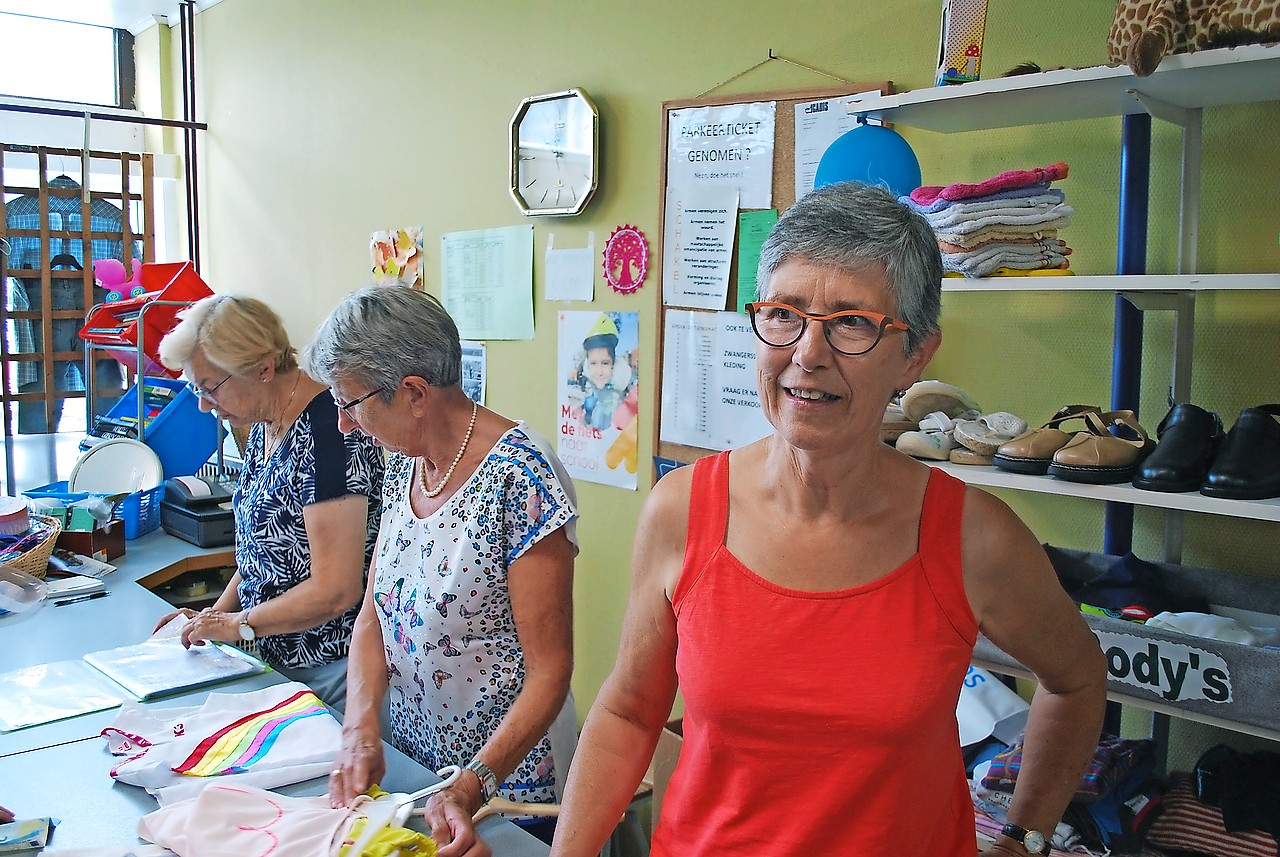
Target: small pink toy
x=109, y=274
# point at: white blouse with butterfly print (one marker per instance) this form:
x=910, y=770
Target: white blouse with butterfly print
x=453, y=657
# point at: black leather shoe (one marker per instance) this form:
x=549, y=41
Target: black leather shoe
x=1189, y=438
x=1248, y=466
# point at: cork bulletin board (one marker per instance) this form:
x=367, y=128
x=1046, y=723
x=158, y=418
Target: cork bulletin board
x=783, y=195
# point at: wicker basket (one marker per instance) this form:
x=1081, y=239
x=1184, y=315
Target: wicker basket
x=35, y=560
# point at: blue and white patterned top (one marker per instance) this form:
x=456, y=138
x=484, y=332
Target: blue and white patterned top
x=313, y=463
x=453, y=654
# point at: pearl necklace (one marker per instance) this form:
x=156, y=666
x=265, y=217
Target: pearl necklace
x=270, y=450
x=422, y=472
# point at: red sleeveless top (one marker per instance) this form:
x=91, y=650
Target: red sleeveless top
x=819, y=723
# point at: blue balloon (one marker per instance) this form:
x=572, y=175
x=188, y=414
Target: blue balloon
x=873, y=154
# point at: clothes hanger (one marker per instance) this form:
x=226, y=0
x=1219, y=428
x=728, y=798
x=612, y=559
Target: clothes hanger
x=65, y=260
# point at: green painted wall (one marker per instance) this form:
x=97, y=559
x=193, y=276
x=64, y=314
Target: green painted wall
x=329, y=119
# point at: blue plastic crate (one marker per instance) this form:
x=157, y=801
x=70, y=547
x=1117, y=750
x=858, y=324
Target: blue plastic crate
x=140, y=511
x=181, y=435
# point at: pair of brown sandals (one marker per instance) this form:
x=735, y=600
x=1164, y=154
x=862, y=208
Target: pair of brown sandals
x=1107, y=450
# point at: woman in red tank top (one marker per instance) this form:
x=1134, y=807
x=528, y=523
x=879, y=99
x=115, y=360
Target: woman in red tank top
x=816, y=595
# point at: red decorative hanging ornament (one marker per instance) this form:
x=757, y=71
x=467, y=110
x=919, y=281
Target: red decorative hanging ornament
x=626, y=259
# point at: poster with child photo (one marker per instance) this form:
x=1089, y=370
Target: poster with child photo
x=598, y=368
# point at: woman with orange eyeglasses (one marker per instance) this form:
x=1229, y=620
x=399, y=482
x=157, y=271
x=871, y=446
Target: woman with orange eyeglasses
x=816, y=595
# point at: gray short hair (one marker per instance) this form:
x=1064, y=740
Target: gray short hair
x=380, y=335
x=851, y=226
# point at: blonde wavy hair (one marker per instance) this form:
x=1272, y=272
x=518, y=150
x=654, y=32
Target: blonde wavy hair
x=234, y=333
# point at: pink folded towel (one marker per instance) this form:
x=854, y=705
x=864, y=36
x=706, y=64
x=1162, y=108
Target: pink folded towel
x=1006, y=180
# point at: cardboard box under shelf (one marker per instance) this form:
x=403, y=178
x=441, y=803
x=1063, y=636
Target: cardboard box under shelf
x=1196, y=678
x=103, y=543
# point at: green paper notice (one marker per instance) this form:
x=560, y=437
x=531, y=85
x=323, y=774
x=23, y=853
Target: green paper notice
x=753, y=228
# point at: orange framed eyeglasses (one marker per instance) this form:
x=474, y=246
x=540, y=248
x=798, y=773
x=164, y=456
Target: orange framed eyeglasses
x=850, y=331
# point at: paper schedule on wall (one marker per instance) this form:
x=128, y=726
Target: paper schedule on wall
x=487, y=282
x=709, y=394
x=697, y=247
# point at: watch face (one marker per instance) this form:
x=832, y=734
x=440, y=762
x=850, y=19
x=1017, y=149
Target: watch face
x=553, y=148
x=1034, y=841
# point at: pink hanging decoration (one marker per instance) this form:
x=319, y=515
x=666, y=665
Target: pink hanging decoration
x=626, y=259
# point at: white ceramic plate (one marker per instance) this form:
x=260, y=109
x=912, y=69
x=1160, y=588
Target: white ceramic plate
x=117, y=466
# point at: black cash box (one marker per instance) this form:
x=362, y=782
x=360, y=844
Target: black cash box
x=198, y=510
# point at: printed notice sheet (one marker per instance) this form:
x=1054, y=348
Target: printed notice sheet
x=709, y=394
x=698, y=247
x=487, y=282
x=819, y=124
x=571, y=271
x=727, y=146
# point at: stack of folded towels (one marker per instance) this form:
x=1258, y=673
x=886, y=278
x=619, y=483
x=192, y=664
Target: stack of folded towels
x=1004, y=226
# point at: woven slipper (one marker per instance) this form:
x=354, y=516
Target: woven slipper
x=924, y=397
x=962, y=455
x=985, y=434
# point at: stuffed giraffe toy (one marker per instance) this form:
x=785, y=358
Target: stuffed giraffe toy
x=1144, y=32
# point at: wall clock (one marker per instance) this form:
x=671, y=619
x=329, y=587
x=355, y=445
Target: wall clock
x=555, y=141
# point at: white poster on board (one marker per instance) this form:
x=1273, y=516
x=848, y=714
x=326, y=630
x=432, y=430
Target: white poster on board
x=819, y=124
x=709, y=393
x=729, y=145
x=697, y=247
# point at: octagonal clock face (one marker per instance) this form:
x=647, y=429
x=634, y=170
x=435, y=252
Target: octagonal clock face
x=554, y=145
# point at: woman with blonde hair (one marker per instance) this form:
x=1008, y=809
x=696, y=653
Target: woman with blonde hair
x=306, y=510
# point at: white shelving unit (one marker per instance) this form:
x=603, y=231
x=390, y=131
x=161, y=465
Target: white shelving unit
x=1243, y=75
x=1181, y=87
x=1115, y=283
x=994, y=477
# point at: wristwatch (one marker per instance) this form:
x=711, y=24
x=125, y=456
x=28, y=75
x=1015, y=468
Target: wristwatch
x=1033, y=841
x=246, y=630
x=488, y=782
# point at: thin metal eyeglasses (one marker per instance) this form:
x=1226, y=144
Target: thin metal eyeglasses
x=209, y=393
x=346, y=407
x=850, y=331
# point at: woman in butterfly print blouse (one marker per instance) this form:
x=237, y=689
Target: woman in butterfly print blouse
x=467, y=618
x=305, y=504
